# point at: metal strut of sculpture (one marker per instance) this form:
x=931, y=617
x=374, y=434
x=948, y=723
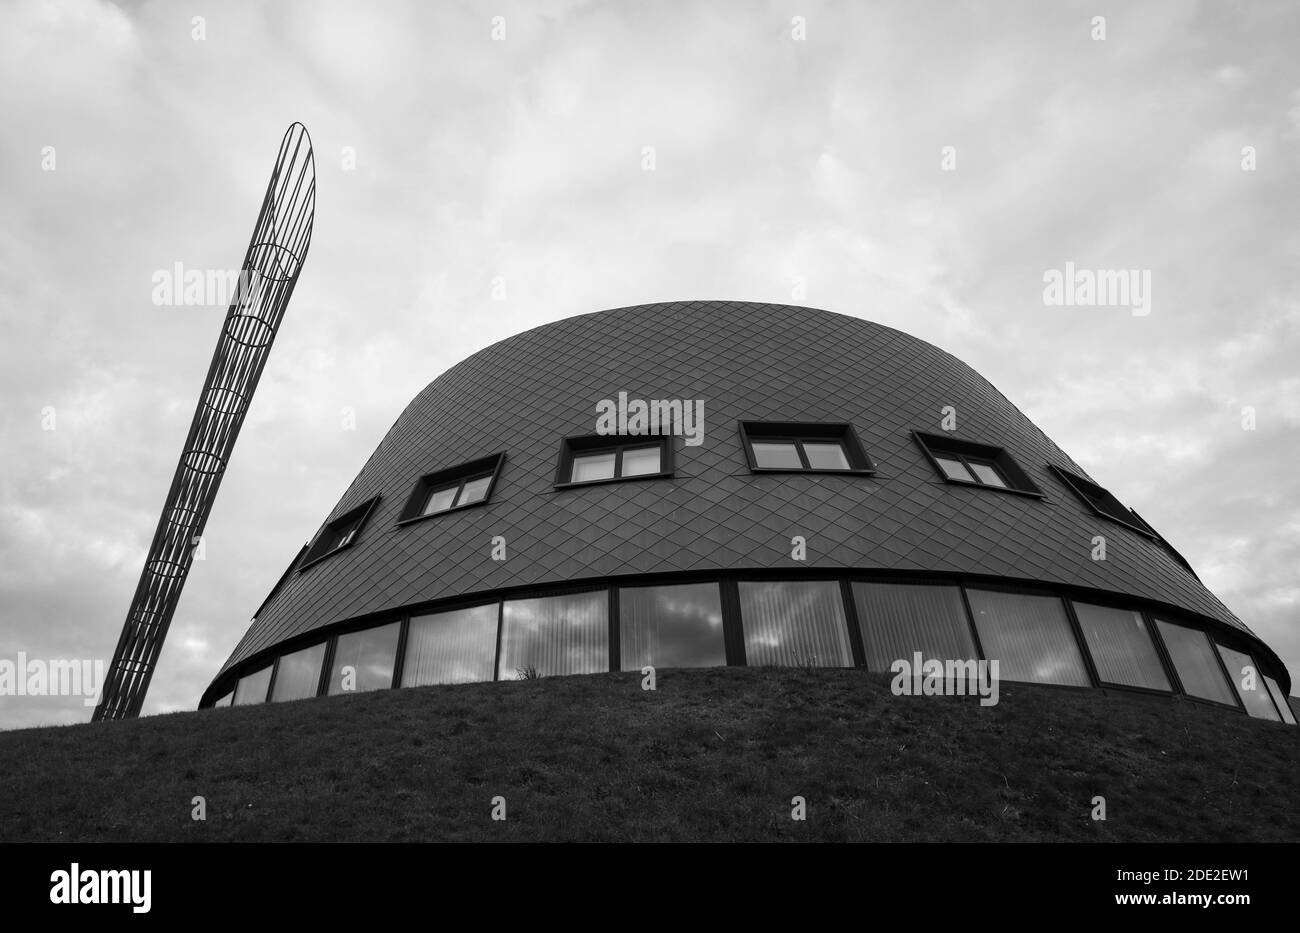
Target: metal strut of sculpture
x=275, y=256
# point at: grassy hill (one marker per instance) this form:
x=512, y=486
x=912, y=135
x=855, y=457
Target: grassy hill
x=711, y=755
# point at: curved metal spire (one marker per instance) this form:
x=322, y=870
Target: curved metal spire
x=275, y=256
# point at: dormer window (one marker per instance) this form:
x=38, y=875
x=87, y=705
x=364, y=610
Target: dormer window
x=339, y=534
x=969, y=463
x=453, y=488
x=1102, y=503
x=602, y=458
x=803, y=447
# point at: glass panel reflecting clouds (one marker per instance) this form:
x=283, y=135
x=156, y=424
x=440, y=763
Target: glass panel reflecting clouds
x=776, y=455
x=440, y=500
x=1279, y=700
x=639, y=461
x=590, y=467
x=1194, y=660
x=370, y=653
x=454, y=647
x=555, y=635
x=252, y=687
x=954, y=469
x=825, y=455
x=1249, y=683
x=1121, y=647
x=898, y=620
x=225, y=700
x=299, y=674
x=987, y=474
x=1030, y=637
x=474, y=490
x=795, y=624
x=671, y=626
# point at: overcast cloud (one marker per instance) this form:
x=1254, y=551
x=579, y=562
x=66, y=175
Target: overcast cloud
x=776, y=160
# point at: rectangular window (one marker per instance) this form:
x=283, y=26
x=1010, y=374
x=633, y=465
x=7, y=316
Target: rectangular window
x=986, y=473
x=364, y=660
x=777, y=455
x=298, y=675
x=453, y=488
x=640, y=461
x=795, y=624
x=1249, y=683
x=225, y=700
x=599, y=458
x=338, y=534
x=456, y=647
x=955, y=469
x=474, y=490
x=252, y=687
x=1121, y=647
x=587, y=468
x=828, y=455
x=1279, y=700
x=973, y=464
x=1102, y=503
x=670, y=626
x=898, y=620
x=440, y=500
x=786, y=447
x=1194, y=660
x=1030, y=637
x=555, y=635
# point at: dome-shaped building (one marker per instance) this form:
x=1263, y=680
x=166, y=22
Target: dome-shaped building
x=712, y=482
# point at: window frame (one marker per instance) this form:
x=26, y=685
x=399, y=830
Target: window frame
x=1171, y=663
x=1230, y=643
x=1064, y=603
x=968, y=462
x=360, y=514
x=577, y=445
x=870, y=630
x=447, y=478
x=320, y=671
x=368, y=625
x=410, y=620
x=936, y=446
x=1085, y=490
x=842, y=628
x=800, y=432
x=1280, y=700
x=254, y=670
x=621, y=603
x=604, y=600
x=734, y=633
x=1106, y=601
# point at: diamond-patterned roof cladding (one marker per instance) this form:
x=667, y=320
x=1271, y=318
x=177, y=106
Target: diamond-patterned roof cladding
x=747, y=361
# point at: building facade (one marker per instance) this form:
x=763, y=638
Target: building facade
x=725, y=483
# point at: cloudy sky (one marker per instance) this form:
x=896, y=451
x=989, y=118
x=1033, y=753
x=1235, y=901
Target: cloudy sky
x=784, y=169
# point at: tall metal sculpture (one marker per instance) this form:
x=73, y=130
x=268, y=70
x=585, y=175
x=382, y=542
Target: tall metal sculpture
x=275, y=256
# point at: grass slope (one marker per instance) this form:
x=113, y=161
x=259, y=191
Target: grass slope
x=711, y=755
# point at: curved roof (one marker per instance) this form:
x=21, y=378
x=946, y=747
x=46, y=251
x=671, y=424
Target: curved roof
x=747, y=361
